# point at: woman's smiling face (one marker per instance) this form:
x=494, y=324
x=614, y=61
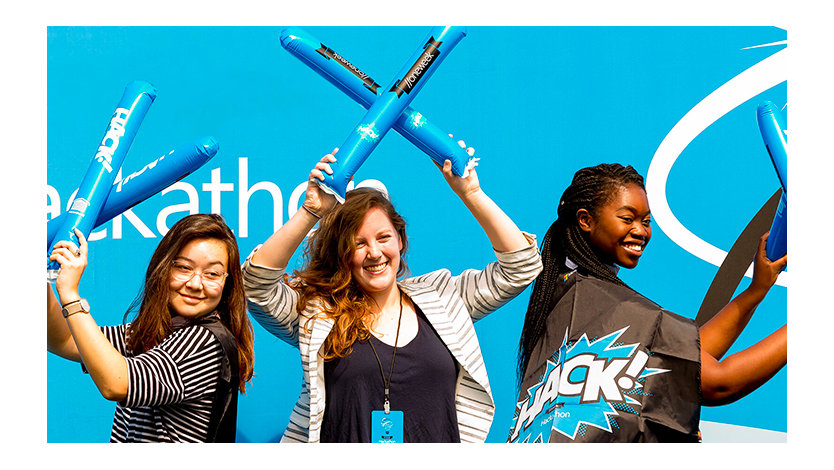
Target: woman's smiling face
x=197, y=277
x=621, y=229
x=376, y=255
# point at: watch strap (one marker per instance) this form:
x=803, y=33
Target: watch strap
x=74, y=307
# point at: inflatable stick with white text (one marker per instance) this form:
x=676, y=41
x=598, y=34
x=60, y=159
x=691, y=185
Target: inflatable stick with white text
x=358, y=85
x=96, y=184
x=151, y=179
x=382, y=114
x=772, y=128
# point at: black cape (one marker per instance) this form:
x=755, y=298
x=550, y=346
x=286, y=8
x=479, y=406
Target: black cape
x=612, y=366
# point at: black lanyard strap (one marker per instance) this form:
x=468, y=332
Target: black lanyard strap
x=387, y=382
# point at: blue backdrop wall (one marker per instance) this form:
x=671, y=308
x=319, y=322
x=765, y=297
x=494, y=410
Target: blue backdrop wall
x=537, y=103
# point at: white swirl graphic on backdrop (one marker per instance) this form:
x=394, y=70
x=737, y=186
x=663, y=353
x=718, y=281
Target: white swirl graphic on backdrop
x=759, y=78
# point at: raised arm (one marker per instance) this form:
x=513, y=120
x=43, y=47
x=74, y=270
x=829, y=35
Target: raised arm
x=726, y=380
x=58, y=337
x=501, y=230
x=279, y=248
x=518, y=264
x=271, y=302
x=721, y=331
x=107, y=367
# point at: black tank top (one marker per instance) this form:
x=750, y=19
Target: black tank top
x=422, y=387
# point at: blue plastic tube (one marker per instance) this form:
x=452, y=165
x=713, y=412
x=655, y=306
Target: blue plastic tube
x=151, y=179
x=382, y=114
x=358, y=85
x=95, y=186
x=777, y=242
x=771, y=125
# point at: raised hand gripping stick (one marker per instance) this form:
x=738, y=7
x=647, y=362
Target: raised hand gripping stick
x=382, y=114
x=95, y=186
x=771, y=125
x=363, y=89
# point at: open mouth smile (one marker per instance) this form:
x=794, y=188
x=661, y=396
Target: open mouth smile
x=634, y=248
x=375, y=268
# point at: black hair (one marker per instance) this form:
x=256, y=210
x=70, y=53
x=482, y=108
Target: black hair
x=591, y=189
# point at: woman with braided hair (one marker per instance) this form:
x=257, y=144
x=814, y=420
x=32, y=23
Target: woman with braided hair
x=653, y=369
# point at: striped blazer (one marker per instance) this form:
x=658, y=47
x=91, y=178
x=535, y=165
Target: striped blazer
x=450, y=303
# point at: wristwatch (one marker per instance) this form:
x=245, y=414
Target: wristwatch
x=77, y=306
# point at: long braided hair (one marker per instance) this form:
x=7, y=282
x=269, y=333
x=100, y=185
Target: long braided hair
x=591, y=189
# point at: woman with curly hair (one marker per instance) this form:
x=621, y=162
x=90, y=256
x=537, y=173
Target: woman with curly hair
x=384, y=358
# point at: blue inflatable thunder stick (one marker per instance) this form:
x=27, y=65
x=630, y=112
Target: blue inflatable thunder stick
x=771, y=125
x=95, y=186
x=358, y=85
x=152, y=178
x=382, y=114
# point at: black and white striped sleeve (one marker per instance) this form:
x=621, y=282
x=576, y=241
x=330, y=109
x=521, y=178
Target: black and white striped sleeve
x=185, y=366
x=116, y=335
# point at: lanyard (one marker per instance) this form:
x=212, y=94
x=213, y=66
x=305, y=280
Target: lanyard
x=387, y=382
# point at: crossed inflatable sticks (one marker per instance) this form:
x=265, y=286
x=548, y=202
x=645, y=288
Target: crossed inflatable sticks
x=386, y=107
x=98, y=199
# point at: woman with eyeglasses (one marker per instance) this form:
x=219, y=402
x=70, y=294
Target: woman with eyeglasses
x=174, y=370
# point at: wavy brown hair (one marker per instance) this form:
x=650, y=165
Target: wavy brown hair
x=326, y=275
x=152, y=322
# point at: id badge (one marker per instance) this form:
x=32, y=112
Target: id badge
x=386, y=428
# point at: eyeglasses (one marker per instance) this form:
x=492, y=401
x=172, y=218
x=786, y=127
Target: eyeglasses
x=211, y=278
